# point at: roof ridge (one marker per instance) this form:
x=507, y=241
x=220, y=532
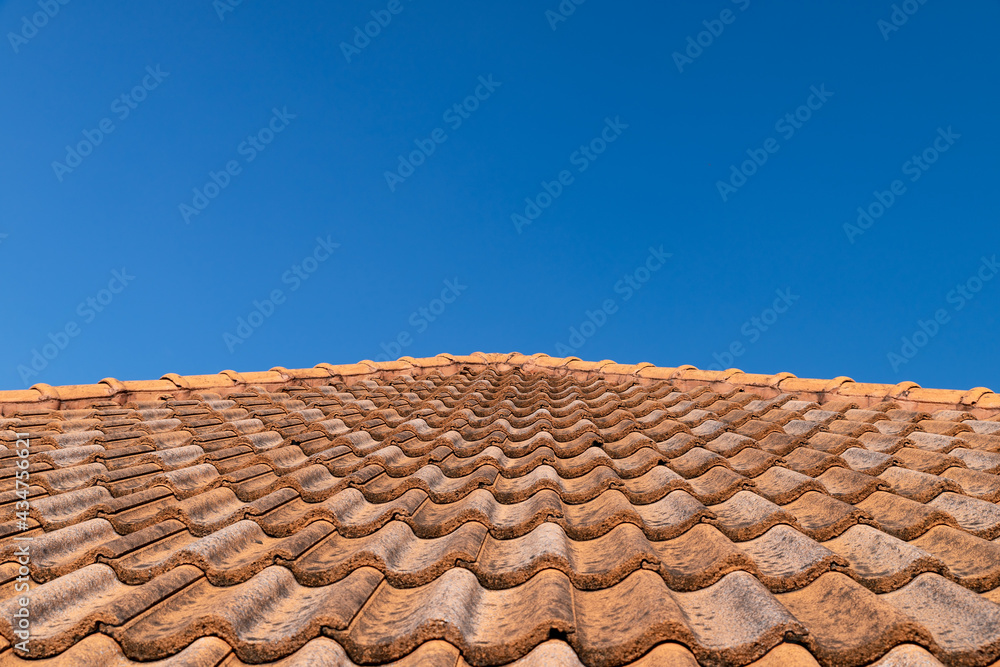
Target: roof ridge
x=979, y=401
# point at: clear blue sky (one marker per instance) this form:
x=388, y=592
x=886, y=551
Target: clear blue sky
x=508, y=171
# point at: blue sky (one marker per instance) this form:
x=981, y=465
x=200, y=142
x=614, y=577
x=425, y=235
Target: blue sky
x=192, y=187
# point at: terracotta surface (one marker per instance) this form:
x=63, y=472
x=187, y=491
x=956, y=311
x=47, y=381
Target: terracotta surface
x=503, y=509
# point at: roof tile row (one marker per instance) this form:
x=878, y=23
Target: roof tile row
x=979, y=398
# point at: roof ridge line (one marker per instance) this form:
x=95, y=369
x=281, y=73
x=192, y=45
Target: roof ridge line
x=980, y=401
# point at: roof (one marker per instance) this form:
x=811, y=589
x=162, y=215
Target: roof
x=493, y=508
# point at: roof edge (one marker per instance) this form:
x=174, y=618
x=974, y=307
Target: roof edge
x=979, y=401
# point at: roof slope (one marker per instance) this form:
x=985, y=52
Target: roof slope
x=481, y=510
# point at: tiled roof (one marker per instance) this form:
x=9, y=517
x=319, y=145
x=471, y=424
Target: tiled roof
x=486, y=509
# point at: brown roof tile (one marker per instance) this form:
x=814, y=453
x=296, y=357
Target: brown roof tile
x=483, y=509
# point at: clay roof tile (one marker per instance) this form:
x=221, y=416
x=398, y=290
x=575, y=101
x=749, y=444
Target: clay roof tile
x=504, y=508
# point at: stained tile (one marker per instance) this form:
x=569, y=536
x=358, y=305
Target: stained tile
x=847, y=623
x=881, y=562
